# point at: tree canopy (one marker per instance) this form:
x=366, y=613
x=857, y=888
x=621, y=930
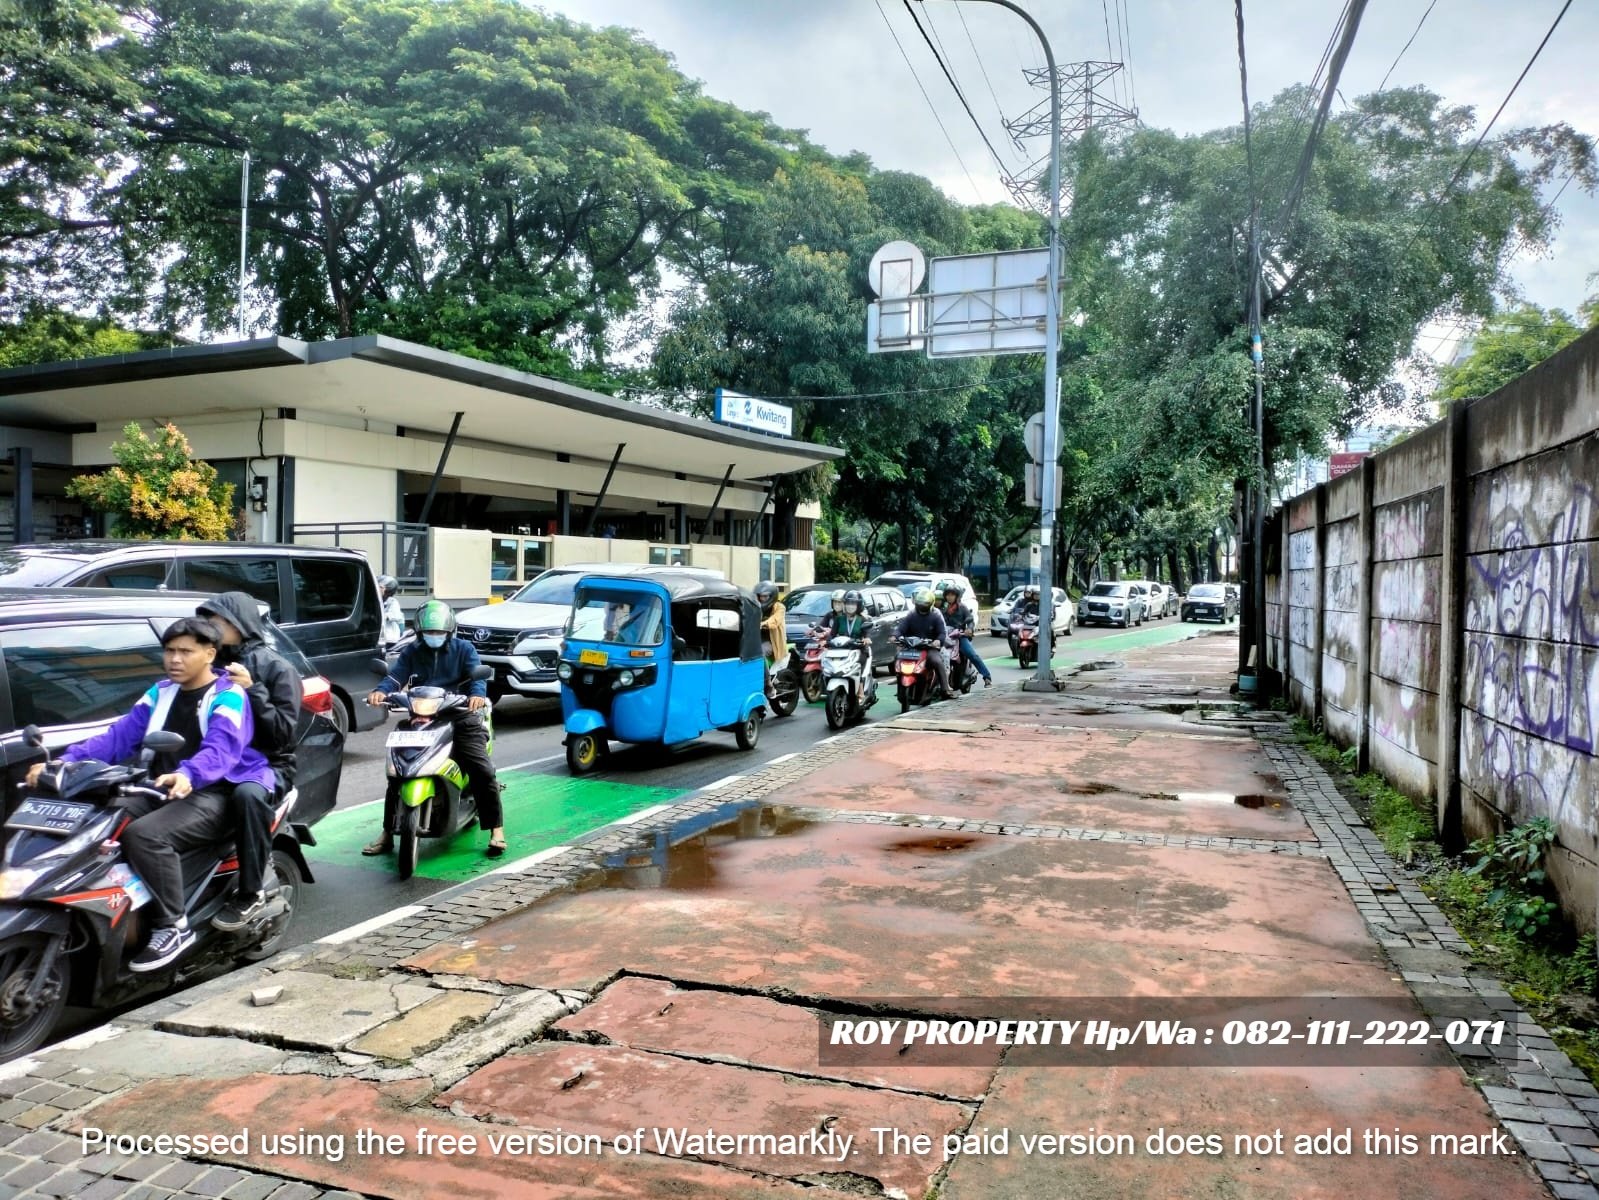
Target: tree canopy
x=1509, y=344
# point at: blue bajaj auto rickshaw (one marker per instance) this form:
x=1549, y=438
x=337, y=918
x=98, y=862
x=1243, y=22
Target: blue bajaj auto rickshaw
x=659, y=659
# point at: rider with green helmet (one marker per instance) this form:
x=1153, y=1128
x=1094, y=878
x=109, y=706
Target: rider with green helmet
x=925, y=621
x=437, y=658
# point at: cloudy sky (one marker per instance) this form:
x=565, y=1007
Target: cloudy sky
x=832, y=67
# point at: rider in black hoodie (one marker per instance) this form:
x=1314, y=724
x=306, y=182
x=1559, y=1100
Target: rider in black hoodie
x=274, y=689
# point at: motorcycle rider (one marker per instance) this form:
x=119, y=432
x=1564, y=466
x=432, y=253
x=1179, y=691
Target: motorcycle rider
x=925, y=621
x=393, y=614
x=440, y=659
x=1026, y=610
x=824, y=627
x=962, y=622
x=774, y=624
x=212, y=715
x=273, y=687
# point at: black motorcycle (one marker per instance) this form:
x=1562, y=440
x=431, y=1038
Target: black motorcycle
x=69, y=901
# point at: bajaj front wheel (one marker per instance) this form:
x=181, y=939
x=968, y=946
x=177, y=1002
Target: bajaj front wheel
x=583, y=752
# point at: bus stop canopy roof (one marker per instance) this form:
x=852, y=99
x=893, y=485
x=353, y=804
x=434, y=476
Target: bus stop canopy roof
x=383, y=379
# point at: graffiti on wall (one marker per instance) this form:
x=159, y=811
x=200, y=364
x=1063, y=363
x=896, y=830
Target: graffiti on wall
x=1532, y=651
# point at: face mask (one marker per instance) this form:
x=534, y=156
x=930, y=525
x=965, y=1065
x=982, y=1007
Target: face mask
x=433, y=640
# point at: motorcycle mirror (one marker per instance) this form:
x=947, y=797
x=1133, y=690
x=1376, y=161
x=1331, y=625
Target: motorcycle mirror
x=380, y=666
x=32, y=736
x=162, y=742
x=482, y=672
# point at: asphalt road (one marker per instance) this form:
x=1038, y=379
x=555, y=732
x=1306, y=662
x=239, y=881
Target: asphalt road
x=545, y=807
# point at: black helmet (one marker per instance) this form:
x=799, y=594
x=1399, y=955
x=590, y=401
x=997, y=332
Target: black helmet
x=852, y=602
x=388, y=585
x=766, y=594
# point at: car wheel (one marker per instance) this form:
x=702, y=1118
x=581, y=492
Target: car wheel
x=341, y=716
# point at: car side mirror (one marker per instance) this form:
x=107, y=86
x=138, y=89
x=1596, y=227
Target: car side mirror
x=380, y=666
x=482, y=673
x=162, y=742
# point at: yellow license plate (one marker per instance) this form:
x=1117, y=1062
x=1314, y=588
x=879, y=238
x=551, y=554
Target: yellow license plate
x=593, y=658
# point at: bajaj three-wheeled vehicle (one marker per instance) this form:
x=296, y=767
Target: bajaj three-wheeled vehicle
x=659, y=659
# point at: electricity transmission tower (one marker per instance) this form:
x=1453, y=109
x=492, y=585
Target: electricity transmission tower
x=1084, y=105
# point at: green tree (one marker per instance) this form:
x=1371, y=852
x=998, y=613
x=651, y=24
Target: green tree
x=50, y=335
x=158, y=489
x=1510, y=344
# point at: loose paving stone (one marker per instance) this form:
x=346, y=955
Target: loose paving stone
x=317, y=1012
x=424, y=1027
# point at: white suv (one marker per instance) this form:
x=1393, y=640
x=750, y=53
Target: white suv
x=521, y=637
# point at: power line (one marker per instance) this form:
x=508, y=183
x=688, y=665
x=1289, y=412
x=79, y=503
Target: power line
x=1406, y=46
x=1481, y=137
x=998, y=107
x=927, y=98
x=1110, y=51
x=1126, y=19
x=939, y=58
x=1335, y=69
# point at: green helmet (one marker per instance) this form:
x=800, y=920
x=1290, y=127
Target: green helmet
x=923, y=599
x=435, y=617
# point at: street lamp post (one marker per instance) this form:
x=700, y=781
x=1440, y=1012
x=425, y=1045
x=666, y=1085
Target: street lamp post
x=1044, y=678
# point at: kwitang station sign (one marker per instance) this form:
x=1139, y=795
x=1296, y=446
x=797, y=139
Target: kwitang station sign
x=734, y=408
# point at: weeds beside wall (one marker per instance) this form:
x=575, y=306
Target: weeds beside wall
x=1438, y=610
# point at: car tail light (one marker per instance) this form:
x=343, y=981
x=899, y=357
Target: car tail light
x=316, y=695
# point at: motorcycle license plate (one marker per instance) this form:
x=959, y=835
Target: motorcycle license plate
x=593, y=658
x=48, y=816
x=408, y=739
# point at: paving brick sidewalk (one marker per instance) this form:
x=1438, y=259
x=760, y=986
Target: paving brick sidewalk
x=1135, y=836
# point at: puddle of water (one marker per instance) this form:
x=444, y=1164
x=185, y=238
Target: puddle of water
x=938, y=843
x=1245, y=800
x=679, y=856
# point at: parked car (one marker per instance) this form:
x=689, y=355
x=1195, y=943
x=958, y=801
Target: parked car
x=521, y=637
x=1162, y=598
x=72, y=660
x=1236, y=594
x=325, y=599
x=999, y=615
x=882, y=606
x=1113, y=603
x=1209, y=602
x=1064, y=612
x=907, y=582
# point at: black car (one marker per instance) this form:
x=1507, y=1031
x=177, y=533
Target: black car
x=883, y=607
x=325, y=599
x=1209, y=602
x=72, y=660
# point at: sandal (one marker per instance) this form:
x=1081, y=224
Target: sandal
x=496, y=848
x=384, y=845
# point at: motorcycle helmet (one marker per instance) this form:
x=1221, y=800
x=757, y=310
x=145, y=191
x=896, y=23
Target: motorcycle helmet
x=923, y=600
x=388, y=585
x=839, y=598
x=766, y=594
x=851, y=602
x=947, y=587
x=435, y=622
x=1031, y=593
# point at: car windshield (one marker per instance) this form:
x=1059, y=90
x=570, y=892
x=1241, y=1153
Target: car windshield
x=1108, y=589
x=550, y=589
x=33, y=570
x=1013, y=595
x=1206, y=591
x=602, y=614
x=809, y=604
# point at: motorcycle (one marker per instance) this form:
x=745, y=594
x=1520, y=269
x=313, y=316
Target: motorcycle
x=69, y=901
x=849, y=680
x=805, y=660
x=963, y=674
x=435, y=800
x=783, y=686
x=918, y=681
x=1024, y=641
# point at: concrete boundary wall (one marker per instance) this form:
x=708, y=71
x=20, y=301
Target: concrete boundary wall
x=1439, y=610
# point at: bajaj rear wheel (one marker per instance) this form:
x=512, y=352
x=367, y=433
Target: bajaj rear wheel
x=410, y=841
x=583, y=752
x=750, y=731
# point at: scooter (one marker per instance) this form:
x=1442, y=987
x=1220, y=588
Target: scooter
x=435, y=799
x=69, y=901
x=1024, y=641
x=783, y=692
x=963, y=674
x=805, y=660
x=848, y=679
x=918, y=682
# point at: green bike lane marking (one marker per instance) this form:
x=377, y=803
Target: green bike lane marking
x=1071, y=650
x=540, y=811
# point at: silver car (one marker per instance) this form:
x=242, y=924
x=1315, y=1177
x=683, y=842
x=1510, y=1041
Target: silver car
x=1112, y=603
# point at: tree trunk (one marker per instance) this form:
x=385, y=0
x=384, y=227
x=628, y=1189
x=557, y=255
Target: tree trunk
x=1192, y=552
x=1174, y=562
x=1213, y=550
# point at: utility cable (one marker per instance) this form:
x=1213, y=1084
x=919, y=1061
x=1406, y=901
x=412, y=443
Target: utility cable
x=999, y=108
x=1110, y=51
x=1407, y=45
x=927, y=98
x=1127, y=33
x=1486, y=129
x=1308, y=157
x=960, y=95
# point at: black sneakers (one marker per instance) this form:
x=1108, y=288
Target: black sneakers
x=167, y=944
x=238, y=912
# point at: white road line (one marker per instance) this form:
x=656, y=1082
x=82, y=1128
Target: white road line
x=643, y=814
x=718, y=784
x=781, y=758
x=378, y=922
x=533, y=762
x=522, y=864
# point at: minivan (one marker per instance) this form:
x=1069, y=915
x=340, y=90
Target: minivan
x=325, y=599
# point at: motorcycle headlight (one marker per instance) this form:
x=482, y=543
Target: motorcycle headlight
x=425, y=706
x=564, y=671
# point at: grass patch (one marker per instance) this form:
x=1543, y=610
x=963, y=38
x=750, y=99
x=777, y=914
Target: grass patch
x=1495, y=895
